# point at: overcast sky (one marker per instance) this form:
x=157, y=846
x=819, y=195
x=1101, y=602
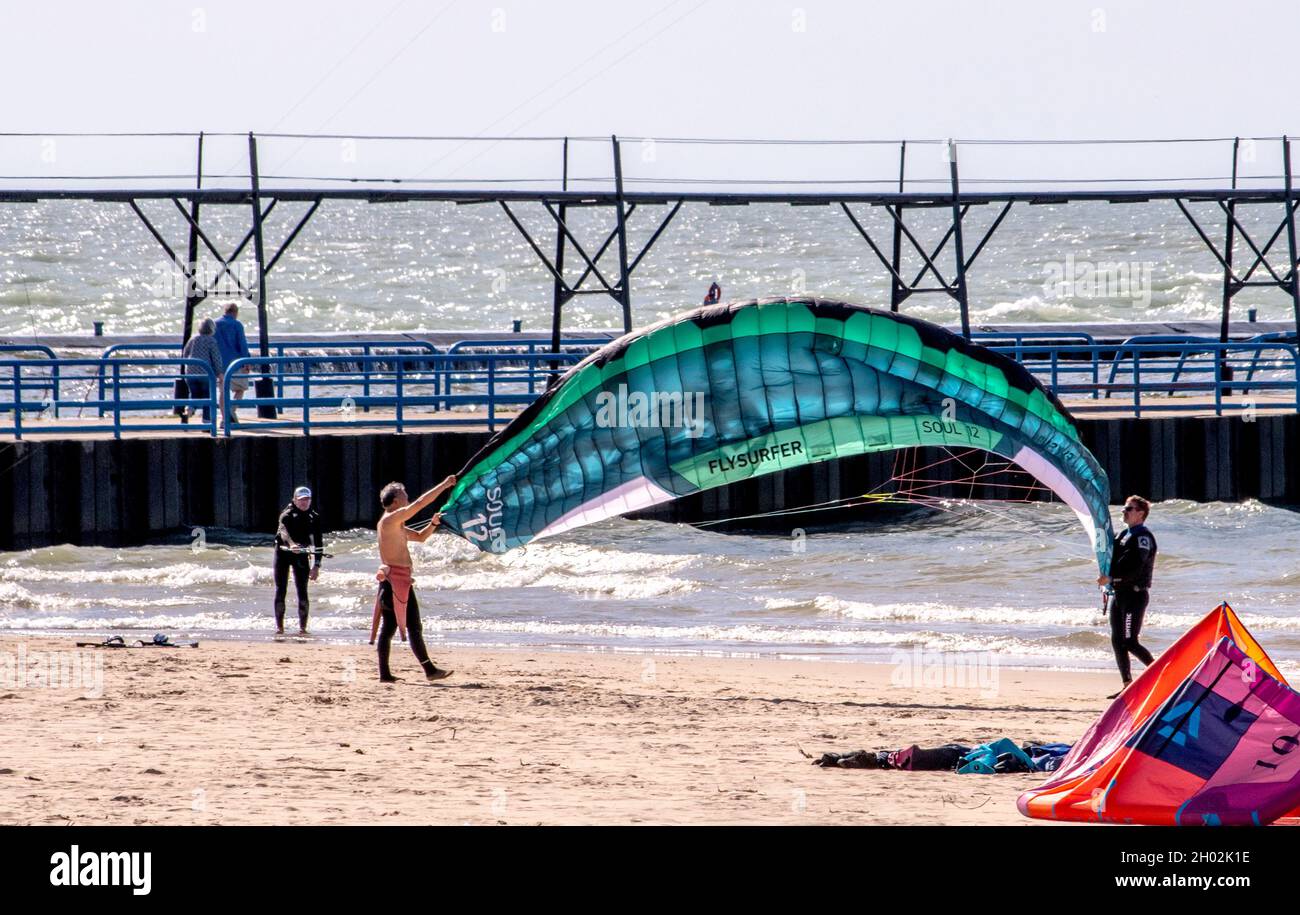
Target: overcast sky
x=813, y=68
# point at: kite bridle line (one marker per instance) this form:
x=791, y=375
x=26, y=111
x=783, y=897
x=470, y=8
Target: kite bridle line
x=910, y=493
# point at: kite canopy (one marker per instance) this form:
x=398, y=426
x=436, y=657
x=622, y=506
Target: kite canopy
x=728, y=392
x=1205, y=736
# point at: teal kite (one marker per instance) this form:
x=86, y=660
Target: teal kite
x=728, y=392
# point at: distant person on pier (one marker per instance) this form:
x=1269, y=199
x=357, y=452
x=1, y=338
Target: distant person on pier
x=1133, y=558
x=396, y=603
x=714, y=295
x=234, y=345
x=204, y=348
x=298, y=544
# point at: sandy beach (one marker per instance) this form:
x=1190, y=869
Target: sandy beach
x=302, y=733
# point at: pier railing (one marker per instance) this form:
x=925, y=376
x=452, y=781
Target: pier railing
x=1159, y=376
x=483, y=384
x=32, y=394
x=530, y=348
x=345, y=349
x=427, y=390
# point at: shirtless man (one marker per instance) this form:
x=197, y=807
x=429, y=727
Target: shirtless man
x=396, y=601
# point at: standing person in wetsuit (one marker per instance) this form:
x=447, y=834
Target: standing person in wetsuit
x=396, y=601
x=297, y=538
x=1132, y=559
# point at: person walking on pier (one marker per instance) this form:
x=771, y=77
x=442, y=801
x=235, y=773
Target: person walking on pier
x=297, y=537
x=1133, y=557
x=396, y=602
x=234, y=345
x=204, y=348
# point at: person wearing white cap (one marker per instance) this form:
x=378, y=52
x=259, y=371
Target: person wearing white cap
x=297, y=536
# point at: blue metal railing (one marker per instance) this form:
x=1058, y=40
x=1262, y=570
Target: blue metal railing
x=1048, y=364
x=1262, y=340
x=1159, y=367
x=28, y=348
x=530, y=348
x=16, y=377
x=529, y=372
x=407, y=383
x=1128, y=350
x=49, y=382
x=1192, y=347
x=282, y=348
x=441, y=389
x=1018, y=337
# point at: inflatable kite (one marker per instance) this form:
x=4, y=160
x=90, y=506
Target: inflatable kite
x=1206, y=736
x=728, y=392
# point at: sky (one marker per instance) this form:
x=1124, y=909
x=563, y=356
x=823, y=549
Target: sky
x=813, y=69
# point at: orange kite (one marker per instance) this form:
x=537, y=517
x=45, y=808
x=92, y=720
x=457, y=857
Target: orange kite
x=1207, y=735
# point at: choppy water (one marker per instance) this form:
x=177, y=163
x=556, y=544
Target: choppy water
x=1018, y=584
x=396, y=267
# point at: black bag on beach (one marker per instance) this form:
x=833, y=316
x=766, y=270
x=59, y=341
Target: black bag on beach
x=180, y=391
x=265, y=387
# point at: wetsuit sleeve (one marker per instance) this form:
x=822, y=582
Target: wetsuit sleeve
x=280, y=526
x=317, y=540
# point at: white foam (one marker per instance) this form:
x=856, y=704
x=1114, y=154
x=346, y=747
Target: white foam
x=177, y=575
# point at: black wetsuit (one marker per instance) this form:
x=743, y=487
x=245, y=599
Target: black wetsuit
x=304, y=529
x=414, y=630
x=1131, y=562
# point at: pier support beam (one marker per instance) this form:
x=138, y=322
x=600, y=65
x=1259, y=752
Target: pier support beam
x=897, y=292
x=192, y=297
x=562, y=289
x=199, y=288
x=259, y=251
x=559, y=293
x=1229, y=245
x=959, y=253
x=901, y=288
x=620, y=212
x=1292, y=274
x=1233, y=280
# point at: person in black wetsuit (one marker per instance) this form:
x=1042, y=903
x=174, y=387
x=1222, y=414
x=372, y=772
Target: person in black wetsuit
x=1132, y=559
x=297, y=538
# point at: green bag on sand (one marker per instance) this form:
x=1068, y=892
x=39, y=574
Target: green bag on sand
x=984, y=759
